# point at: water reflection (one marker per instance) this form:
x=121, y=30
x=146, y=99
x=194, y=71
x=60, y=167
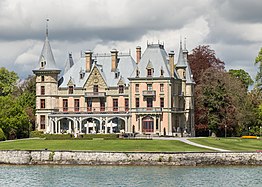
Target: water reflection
x=129, y=176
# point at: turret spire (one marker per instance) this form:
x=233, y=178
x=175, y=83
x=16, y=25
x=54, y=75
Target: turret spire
x=46, y=32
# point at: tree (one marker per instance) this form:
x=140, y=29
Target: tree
x=201, y=59
x=243, y=76
x=7, y=81
x=13, y=118
x=221, y=102
x=258, y=61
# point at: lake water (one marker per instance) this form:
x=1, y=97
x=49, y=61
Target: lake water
x=129, y=176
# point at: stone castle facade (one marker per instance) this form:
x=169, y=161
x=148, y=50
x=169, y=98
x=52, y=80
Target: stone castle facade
x=113, y=93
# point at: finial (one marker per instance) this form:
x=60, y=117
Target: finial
x=185, y=43
x=180, y=41
x=47, y=27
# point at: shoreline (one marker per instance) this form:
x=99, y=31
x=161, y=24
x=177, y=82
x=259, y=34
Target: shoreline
x=47, y=157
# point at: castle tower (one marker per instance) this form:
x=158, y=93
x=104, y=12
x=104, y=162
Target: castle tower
x=46, y=86
x=188, y=84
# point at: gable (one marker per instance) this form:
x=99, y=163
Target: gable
x=95, y=78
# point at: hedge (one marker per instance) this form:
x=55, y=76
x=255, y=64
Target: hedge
x=71, y=136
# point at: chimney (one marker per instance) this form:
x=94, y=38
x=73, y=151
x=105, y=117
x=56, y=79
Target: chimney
x=114, y=59
x=88, y=55
x=138, y=54
x=171, y=62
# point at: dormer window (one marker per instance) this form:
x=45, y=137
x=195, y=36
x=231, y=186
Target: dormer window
x=161, y=72
x=121, y=89
x=149, y=72
x=137, y=73
x=70, y=90
x=116, y=75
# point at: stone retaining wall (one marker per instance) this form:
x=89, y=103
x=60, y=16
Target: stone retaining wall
x=129, y=158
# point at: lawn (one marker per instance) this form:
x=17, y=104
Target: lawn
x=102, y=145
x=233, y=144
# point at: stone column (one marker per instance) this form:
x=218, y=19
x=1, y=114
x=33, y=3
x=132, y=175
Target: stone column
x=111, y=128
x=59, y=127
x=101, y=129
x=106, y=126
x=126, y=124
x=80, y=125
x=70, y=127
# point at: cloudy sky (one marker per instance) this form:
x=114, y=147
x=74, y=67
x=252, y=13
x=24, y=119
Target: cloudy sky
x=233, y=28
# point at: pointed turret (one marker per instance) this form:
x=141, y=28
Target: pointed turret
x=181, y=60
x=46, y=59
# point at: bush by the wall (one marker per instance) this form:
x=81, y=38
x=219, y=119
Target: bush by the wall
x=2, y=135
x=34, y=134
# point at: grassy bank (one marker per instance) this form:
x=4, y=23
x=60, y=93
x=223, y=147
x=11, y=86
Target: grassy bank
x=101, y=145
x=233, y=144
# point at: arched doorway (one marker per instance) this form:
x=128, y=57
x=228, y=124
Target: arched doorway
x=66, y=126
x=90, y=126
x=147, y=124
x=115, y=125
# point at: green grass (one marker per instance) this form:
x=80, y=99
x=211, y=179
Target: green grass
x=233, y=144
x=102, y=145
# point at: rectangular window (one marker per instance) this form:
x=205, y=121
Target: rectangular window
x=149, y=87
x=162, y=103
x=137, y=102
x=42, y=103
x=121, y=89
x=42, y=78
x=89, y=104
x=156, y=123
x=42, y=122
x=102, y=104
x=95, y=89
x=115, y=104
x=76, y=105
x=42, y=90
x=65, y=105
x=149, y=101
x=126, y=104
x=137, y=88
x=149, y=72
x=71, y=90
x=161, y=87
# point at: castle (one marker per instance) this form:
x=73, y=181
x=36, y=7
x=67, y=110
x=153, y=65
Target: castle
x=113, y=93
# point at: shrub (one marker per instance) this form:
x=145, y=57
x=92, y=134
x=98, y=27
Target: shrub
x=34, y=134
x=80, y=137
x=2, y=135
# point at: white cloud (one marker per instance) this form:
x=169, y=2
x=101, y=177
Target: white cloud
x=231, y=27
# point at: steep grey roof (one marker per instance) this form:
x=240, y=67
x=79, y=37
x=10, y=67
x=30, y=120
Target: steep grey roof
x=69, y=62
x=156, y=57
x=47, y=57
x=103, y=62
x=181, y=63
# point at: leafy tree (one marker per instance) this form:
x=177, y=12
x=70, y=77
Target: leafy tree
x=221, y=100
x=7, y=81
x=243, y=76
x=2, y=135
x=13, y=118
x=258, y=61
x=203, y=58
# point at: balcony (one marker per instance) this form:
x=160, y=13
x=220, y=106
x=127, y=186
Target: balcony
x=149, y=93
x=149, y=110
x=90, y=110
x=95, y=94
